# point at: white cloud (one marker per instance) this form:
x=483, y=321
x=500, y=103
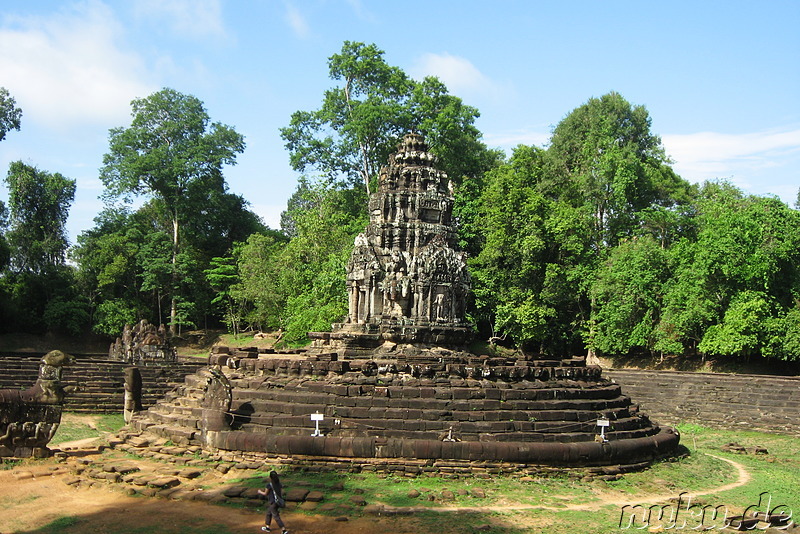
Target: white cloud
x=709, y=155
x=68, y=68
x=297, y=21
x=457, y=73
x=189, y=18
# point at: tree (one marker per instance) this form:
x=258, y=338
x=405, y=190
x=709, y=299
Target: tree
x=10, y=114
x=39, y=206
x=172, y=153
x=222, y=276
x=734, y=285
x=38, y=291
x=530, y=275
x=605, y=157
x=628, y=291
x=351, y=136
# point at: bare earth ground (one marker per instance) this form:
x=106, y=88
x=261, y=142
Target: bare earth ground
x=35, y=494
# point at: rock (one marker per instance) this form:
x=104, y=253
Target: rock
x=250, y=493
x=23, y=475
x=413, y=494
x=448, y=495
x=138, y=442
x=223, y=468
x=341, y=518
x=164, y=482
x=234, y=491
x=478, y=493
x=315, y=496
x=358, y=500
x=295, y=494
x=372, y=509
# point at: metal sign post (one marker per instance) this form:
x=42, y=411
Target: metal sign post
x=603, y=424
x=316, y=417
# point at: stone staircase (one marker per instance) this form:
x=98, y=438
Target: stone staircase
x=745, y=402
x=99, y=383
x=176, y=415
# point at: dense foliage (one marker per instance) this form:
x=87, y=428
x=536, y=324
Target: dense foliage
x=588, y=243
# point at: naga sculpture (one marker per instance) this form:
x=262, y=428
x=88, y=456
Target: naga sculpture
x=29, y=418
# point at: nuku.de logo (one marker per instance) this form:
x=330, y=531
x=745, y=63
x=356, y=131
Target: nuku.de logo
x=684, y=515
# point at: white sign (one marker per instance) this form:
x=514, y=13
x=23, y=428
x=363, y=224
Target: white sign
x=603, y=422
x=316, y=417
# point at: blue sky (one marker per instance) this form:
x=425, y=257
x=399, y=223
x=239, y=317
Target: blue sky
x=721, y=79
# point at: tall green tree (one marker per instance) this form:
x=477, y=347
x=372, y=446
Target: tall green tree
x=604, y=157
x=39, y=204
x=530, y=275
x=10, y=114
x=734, y=287
x=39, y=288
x=628, y=290
x=361, y=120
x=173, y=153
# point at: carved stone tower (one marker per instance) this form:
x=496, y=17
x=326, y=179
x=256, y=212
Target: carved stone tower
x=407, y=283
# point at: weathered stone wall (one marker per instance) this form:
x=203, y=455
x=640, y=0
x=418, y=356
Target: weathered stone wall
x=101, y=382
x=754, y=402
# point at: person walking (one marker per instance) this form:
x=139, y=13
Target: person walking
x=274, y=495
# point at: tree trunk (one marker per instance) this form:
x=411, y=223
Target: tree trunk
x=173, y=309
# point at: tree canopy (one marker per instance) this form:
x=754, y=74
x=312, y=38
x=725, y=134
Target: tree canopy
x=10, y=114
x=362, y=119
x=590, y=243
x=172, y=153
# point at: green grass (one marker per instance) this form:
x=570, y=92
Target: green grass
x=60, y=525
x=547, y=502
x=75, y=426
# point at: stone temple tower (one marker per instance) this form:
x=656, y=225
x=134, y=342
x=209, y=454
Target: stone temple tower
x=406, y=280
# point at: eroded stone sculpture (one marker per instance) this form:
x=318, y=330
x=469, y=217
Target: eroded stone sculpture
x=407, y=281
x=29, y=418
x=142, y=344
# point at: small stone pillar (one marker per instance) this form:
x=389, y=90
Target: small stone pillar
x=133, y=393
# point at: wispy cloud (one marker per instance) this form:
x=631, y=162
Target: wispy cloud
x=189, y=18
x=457, y=73
x=297, y=22
x=68, y=67
x=709, y=155
x=361, y=12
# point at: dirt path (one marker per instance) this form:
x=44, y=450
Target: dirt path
x=36, y=495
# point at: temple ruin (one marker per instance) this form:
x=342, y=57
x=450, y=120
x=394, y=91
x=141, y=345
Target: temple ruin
x=394, y=387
